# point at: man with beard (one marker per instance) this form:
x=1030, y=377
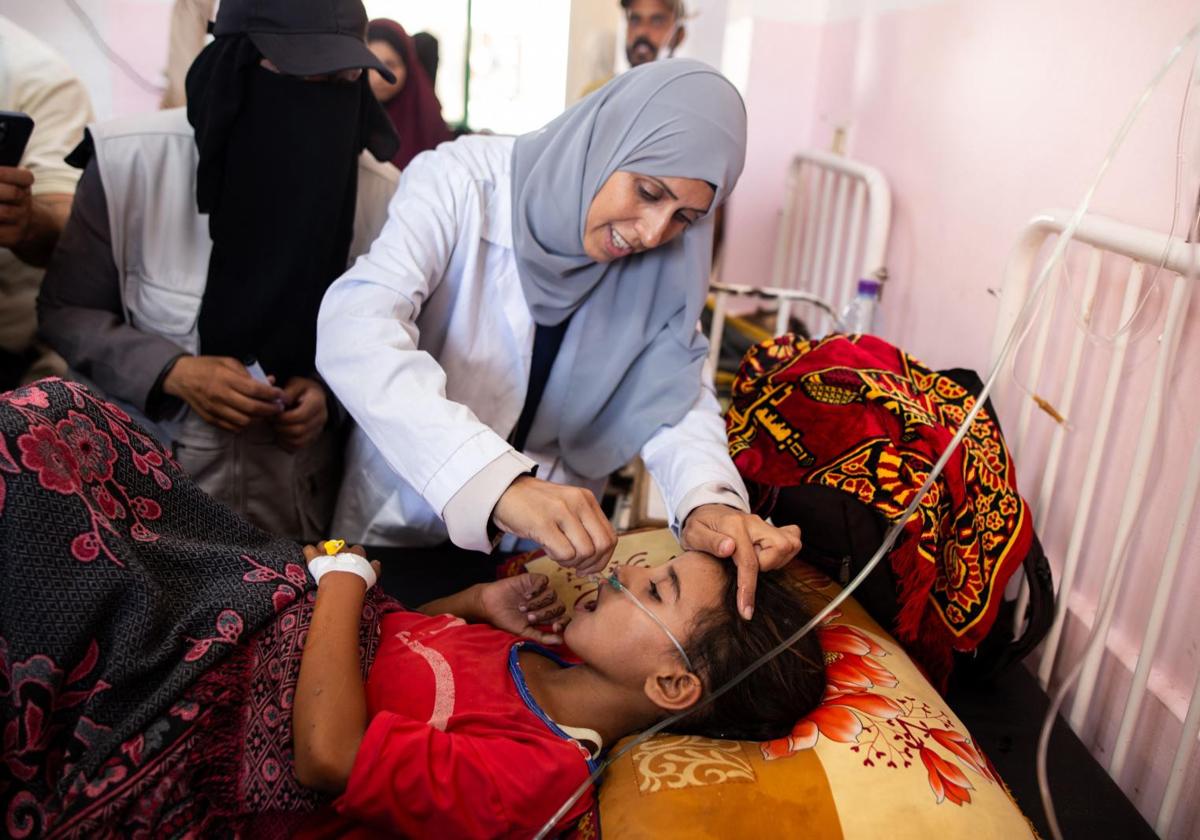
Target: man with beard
x=654, y=29
x=201, y=242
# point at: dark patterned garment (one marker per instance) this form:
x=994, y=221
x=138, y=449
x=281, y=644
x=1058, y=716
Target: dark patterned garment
x=856, y=414
x=150, y=639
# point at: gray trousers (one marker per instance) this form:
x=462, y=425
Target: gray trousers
x=290, y=494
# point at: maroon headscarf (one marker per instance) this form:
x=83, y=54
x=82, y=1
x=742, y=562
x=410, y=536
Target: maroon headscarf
x=415, y=110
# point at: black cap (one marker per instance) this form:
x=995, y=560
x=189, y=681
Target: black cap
x=303, y=37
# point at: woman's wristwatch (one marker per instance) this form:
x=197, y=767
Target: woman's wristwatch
x=342, y=562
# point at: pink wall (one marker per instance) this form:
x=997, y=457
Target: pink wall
x=780, y=98
x=141, y=38
x=135, y=29
x=981, y=113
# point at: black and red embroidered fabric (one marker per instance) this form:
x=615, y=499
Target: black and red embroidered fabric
x=860, y=416
x=150, y=638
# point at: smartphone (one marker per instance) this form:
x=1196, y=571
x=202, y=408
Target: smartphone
x=15, y=129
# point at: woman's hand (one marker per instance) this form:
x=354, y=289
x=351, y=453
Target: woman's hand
x=305, y=416
x=566, y=521
x=753, y=543
x=221, y=391
x=518, y=604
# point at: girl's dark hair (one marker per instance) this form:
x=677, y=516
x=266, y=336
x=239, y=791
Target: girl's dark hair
x=769, y=702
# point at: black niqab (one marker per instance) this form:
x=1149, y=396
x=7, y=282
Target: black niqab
x=278, y=177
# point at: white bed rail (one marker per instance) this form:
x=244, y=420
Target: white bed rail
x=1113, y=275
x=833, y=230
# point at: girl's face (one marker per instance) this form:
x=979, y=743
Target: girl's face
x=633, y=213
x=383, y=89
x=616, y=638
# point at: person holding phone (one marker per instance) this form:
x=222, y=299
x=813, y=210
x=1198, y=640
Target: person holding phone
x=204, y=237
x=36, y=188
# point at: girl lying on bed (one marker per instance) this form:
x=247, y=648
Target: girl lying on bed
x=157, y=654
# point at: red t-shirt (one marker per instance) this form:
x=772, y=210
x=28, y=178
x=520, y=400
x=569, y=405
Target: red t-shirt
x=455, y=746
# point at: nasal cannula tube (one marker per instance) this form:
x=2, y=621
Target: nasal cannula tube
x=615, y=583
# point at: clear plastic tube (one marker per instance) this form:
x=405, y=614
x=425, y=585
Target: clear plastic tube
x=1021, y=326
x=1096, y=638
x=613, y=581
x=1152, y=287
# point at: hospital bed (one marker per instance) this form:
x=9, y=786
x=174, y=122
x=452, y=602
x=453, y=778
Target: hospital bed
x=1109, y=461
x=1094, y=405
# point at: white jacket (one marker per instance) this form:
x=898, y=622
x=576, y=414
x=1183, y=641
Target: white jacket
x=427, y=341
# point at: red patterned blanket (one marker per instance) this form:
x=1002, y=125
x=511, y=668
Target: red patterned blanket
x=858, y=415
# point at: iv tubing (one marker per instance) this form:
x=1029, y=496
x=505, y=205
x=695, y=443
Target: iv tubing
x=1095, y=636
x=1021, y=326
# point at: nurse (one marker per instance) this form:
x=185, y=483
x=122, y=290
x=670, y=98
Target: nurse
x=527, y=323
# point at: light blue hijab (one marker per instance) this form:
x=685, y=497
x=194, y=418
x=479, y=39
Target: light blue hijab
x=631, y=358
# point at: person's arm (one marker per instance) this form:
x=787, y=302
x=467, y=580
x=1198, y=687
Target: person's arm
x=368, y=352
x=79, y=308
x=464, y=604
x=48, y=217
x=519, y=604
x=189, y=28
x=330, y=713
x=60, y=107
x=367, y=344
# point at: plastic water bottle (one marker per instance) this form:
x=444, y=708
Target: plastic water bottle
x=859, y=316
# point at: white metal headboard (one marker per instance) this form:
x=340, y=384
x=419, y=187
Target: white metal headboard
x=1078, y=383
x=833, y=230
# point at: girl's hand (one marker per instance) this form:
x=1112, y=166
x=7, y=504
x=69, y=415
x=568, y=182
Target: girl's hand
x=519, y=604
x=311, y=553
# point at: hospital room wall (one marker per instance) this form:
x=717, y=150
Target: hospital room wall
x=140, y=39
x=981, y=113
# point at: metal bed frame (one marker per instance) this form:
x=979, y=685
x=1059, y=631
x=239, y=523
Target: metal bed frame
x=1119, y=263
x=833, y=230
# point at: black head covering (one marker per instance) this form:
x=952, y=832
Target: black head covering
x=305, y=38
x=277, y=175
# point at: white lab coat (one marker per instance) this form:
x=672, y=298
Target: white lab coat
x=427, y=341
